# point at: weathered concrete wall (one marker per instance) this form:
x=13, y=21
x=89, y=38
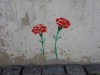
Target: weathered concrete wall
x=80, y=43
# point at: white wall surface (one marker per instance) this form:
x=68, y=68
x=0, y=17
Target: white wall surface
x=80, y=43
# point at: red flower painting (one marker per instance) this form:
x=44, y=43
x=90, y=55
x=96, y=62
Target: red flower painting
x=62, y=23
x=40, y=29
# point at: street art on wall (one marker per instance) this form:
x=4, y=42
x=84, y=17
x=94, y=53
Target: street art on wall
x=79, y=43
x=62, y=23
x=40, y=29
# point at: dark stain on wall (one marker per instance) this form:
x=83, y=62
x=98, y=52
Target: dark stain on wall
x=0, y=15
x=84, y=3
x=49, y=1
x=52, y=52
x=4, y=58
x=61, y=52
x=75, y=2
x=25, y=20
x=78, y=3
x=21, y=59
x=98, y=47
x=38, y=59
x=0, y=28
x=2, y=42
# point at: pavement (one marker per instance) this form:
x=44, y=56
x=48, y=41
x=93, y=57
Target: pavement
x=66, y=69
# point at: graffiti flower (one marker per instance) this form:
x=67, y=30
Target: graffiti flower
x=62, y=23
x=38, y=29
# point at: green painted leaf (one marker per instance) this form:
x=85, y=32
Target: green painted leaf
x=40, y=41
x=59, y=37
x=41, y=50
x=44, y=40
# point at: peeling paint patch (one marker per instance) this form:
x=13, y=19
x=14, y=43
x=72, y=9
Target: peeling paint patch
x=25, y=20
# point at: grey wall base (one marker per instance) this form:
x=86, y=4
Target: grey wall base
x=69, y=69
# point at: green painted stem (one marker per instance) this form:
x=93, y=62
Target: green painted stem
x=56, y=38
x=56, y=46
x=42, y=41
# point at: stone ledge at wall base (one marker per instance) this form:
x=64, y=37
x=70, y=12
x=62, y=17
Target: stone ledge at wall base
x=74, y=69
x=53, y=70
x=0, y=71
x=12, y=70
x=31, y=70
x=66, y=69
x=92, y=69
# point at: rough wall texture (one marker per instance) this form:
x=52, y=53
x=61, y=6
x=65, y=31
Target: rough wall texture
x=80, y=43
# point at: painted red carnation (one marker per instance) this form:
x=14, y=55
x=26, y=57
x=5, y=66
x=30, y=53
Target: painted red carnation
x=62, y=23
x=38, y=29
